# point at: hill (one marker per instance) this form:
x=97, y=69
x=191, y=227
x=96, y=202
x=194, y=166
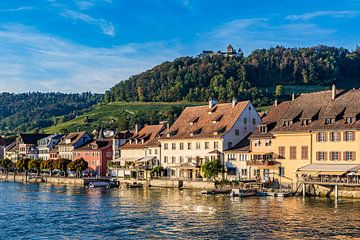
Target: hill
x=252, y=77
x=122, y=115
x=29, y=112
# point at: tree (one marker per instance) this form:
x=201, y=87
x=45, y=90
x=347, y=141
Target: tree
x=63, y=165
x=211, y=168
x=48, y=165
x=279, y=90
x=22, y=165
x=7, y=165
x=34, y=164
x=78, y=166
x=157, y=171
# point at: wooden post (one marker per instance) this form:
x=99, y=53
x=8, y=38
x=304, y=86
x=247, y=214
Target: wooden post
x=304, y=189
x=336, y=192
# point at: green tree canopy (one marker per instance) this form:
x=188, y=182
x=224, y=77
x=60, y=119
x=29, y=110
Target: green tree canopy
x=211, y=168
x=78, y=165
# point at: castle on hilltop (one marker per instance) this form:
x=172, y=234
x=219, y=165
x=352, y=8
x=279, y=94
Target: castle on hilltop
x=230, y=52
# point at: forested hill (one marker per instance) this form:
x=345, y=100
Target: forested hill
x=251, y=77
x=28, y=112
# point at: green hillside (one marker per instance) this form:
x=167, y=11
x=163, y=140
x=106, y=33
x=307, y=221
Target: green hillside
x=123, y=115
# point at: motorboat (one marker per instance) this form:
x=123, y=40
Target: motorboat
x=243, y=192
x=94, y=184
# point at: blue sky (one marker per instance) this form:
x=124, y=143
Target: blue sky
x=90, y=45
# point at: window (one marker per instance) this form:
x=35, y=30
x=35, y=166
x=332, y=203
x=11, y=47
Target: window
x=334, y=156
x=281, y=152
x=245, y=120
x=173, y=159
x=229, y=144
x=166, y=146
x=349, y=156
x=304, y=152
x=189, y=146
x=268, y=142
x=243, y=172
x=349, y=136
x=207, y=145
x=321, y=156
x=173, y=146
x=155, y=151
x=108, y=154
x=281, y=171
x=334, y=137
x=197, y=145
x=181, y=146
x=237, y=132
x=321, y=137
x=231, y=157
x=292, y=152
x=216, y=145
x=254, y=121
x=329, y=121
x=257, y=143
x=165, y=159
x=189, y=159
x=150, y=152
x=207, y=158
x=181, y=159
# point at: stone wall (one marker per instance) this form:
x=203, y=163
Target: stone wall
x=54, y=180
x=343, y=192
x=198, y=185
x=164, y=183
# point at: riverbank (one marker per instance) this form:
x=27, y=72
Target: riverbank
x=39, y=179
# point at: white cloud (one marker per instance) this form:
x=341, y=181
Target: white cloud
x=84, y=5
x=106, y=26
x=17, y=9
x=32, y=61
x=311, y=15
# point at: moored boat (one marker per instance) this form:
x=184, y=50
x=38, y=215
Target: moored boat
x=95, y=184
x=242, y=192
x=216, y=191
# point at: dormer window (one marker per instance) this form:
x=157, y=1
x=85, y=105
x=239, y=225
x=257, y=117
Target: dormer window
x=194, y=120
x=263, y=129
x=305, y=122
x=329, y=121
x=197, y=131
x=220, y=130
x=212, y=110
x=217, y=119
x=349, y=120
x=287, y=123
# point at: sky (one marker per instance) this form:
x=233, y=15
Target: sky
x=90, y=45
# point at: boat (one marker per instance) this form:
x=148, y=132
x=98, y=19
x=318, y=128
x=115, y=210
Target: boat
x=283, y=194
x=95, y=184
x=262, y=194
x=242, y=192
x=216, y=191
x=134, y=185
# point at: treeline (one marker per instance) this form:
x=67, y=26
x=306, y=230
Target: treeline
x=29, y=112
x=223, y=77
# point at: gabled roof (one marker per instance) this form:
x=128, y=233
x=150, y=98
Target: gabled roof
x=123, y=134
x=147, y=136
x=31, y=138
x=72, y=138
x=242, y=146
x=225, y=113
x=96, y=145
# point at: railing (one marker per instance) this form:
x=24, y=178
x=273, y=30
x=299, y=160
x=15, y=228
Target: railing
x=336, y=180
x=261, y=162
x=181, y=179
x=117, y=167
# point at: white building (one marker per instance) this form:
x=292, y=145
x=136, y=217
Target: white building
x=71, y=142
x=45, y=145
x=202, y=133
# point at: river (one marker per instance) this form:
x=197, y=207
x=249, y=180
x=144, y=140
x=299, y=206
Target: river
x=43, y=211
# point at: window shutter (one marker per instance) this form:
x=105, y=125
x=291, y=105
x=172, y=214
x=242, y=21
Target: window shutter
x=317, y=137
x=325, y=156
x=331, y=134
x=344, y=136
x=344, y=156
x=325, y=136
x=353, y=136
x=317, y=156
x=330, y=156
x=339, y=154
x=354, y=156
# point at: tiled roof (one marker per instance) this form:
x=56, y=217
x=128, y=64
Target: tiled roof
x=220, y=118
x=147, y=136
x=242, y=146
x=74, y=137
x=31, y=138
x=315, y=107
x=95, y=145
x=123, y=134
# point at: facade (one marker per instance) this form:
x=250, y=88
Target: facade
x=139, y=154
x=45, y=145
x=28, y=145
x=12, y=151
x=71, y=142
x=203, y=133
x=2, y=148
x=314, y=128
x=120, y=139
x=97, y=154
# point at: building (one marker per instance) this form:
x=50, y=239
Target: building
x=2, y=148
x=202, y=133
x=120, y=139
x=71, y=142
x=139, y=154
x=319, y=128
x=12, y=151
x=47, y=144
x=236, y=160
x=28, y=145
x=97, y=154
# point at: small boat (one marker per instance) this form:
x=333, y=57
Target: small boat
x=95, y=184
x=283, y=194
x=134, y=185
x=216, y=191
x=262, y=194
x=242, y=192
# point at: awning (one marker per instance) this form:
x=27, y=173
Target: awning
x=332, y=173
x=145, y=159
x=334, y=168
x=127, y=159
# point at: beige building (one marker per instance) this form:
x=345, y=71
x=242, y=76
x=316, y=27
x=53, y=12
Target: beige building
x=202, y=133
x=71, y=142
x=139, y=154
x=319, y=129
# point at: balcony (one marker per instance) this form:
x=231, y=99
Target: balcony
x=266, y=164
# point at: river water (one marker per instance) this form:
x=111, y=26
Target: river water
x=42, y=211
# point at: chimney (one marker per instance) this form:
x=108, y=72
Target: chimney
x=276, y=102
x=211, y=103
x=168, y=126
x=136, y=128
x=333, y=92
x=293, y=96
x=234, y=101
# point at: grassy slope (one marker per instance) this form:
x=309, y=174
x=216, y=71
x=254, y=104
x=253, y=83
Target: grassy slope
x=105, y=112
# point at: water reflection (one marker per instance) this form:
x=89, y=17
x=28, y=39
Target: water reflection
x=54, y=211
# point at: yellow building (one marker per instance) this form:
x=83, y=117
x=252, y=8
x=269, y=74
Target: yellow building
x=319, y=129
